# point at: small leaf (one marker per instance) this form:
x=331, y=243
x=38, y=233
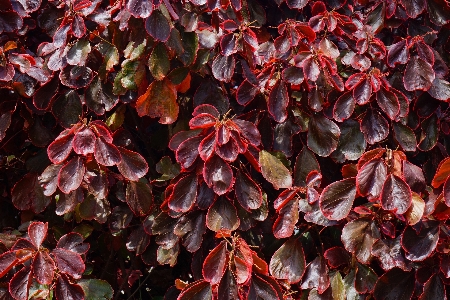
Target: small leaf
x=132, y=166
x=440, y=89
x=336, y=199
x=419, y=75
x=247, y=192
x=278, y=101
x=69, y=262
x=83, y=142
x=71, y=175
x=323, y=135
x=222, y=216
x=184, y=194
x=218, y=175
x=215, y=264
x=96, y=289
x=158, y=26
x=158, y=62
x=405, y=137
x=139, y=197
x=274, y=171
x=140, y=8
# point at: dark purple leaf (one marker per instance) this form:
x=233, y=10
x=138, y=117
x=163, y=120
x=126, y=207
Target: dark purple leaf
x=65, y=290
x=83, y=142
x=419, y=245
x=76, y=76
x=222, y=216
x=132, y=166
x=374, y=127
x=323, y=135
x=336, y=199
x=388, y=102
x=158, y=26
x=398, y=53
x=389, y=253
x=45, y=95
x=68, y=109
x=394, y=285
x=184, y=194
x=440, y=89
x=71, y=175
x=139, y=197
x=419, y=75
x=247, y=192
x=187, y=151
x=199, y=290
x=138, y=241
x=20, y=283
x=215, y=264
x=59, y=150
x=43, y=268
x=343, y=107
x=287, y=218
x=140, y=8
x=69, y=262
x=395, y=195
x=106, y=153
x=288, y=262
x=10, y=21
x=358, y=236
x=316, y=275
x=223, y=67
x=218, y=175
x=371, y=177
x=278, y=101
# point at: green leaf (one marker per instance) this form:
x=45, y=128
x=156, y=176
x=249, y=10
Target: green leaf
x=168, y=169
x=96, y=289
x=158, y=62
x=274, y=171
x=116, y=119
x=338, y=287
x=190, y=46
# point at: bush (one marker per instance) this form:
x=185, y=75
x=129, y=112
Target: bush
x=243, y=149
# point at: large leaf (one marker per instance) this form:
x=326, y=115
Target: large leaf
x=140, y=8
x=199, y=290
x=388, y=102
x=228, y=288
x=358, y=237
x=343, y=107
x=69, y=262
x=374, y=127
x=223, y=67
x=261, y=289
x=60, y=149
x=10, y=21
x=389, y=253
x=139, y=197
x=218, y=175
x=28, y=194
x=222, y=216
x=184, y=194
x=278, y=101
x=440, y=89
x=68, y=109
x=215, y=264
x=405, y=136
x=419, y=75
x=316, y=275
x=371, y=177
x=43, y=268
x=96, y=289
x=365, y=279
x=83, y=142
x=396, y=195
x=158, y=26
x=65, y=290
x=419, y=245
x=288, y=262
x=351, y=142
x=159, y=101
x=274, y=171
x=20, y=283
x=337, y=199
x=132, y=166
x=76, y=76
x=434, y=288
x=106, y=153
x=439, y=12
x=71, y=175
x=99, y=96
x=398, y=53
x=37, y=231
x=46, y=94
x=394, y=285
x=247, y=192
x=323, y=135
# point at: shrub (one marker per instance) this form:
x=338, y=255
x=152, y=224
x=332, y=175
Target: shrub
x=242, y=149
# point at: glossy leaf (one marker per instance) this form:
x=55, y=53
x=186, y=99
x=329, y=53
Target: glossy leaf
x=278, y=101
x=274, y=171
x=358, y=237
x=337, y=199
x=71, y=175
x=419, y=245
x=218, y=175
x=396, y=195
x=394, y=284
x=323, y=135
x=222, y=216
x=132, y=166
x=215, y=264
x=288, y=262
x=247, y=192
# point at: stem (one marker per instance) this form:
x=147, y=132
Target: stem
x=141, y=284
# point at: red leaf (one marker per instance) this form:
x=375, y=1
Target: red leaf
x=206, y=147
x=420, y=244
x=222, y=216
x=323, y=135
x=247, y=192
x=394, y=284
x=199, y=290
x=158, y=26
x=69, y=262
x=398, y=53
x=37, y=231
x=419, y=75
x=389, y=253
x=43, y=267
x=440, y=89
x=316, y=275
x=49, y=179
x=60, y=149
x=215, y=263
x=73, y=242
x=184, y=194
x=343, y=107
x=20, y=283
x=27, y=193
x=187, y=151
x=7, y=261
x=223, y=67
x=71, y=175
x=362, y=92
x=228, y=288
x=371, y=177
x=374, y=127
x=288, y=262
x=68, y=291
x=106, y=153
x=218, y=175
x=358, y=236
x=442, y=173
x=336, y=199
x=132, y=166
x=139, y=197
x=278, y=101
x=288, y=215
x=83, y=142
x=202, y=120
x=388, y=103
x=396, y=195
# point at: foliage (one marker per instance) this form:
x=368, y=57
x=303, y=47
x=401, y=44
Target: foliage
x=243, y=149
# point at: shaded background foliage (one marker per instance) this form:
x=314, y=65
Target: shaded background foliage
x=241, y=149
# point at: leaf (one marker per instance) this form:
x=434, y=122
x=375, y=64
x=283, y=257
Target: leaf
x=414, y=8
x=158, y=62
x=190, y=42
x=74, y=242
x=247, y=192
x=68, y=291
x=10, y=21
x=71, y=175
x=365, y=279
x=404, y=136
x=336, y=199
x=316, y=275
x=198, y=290
x=96, y=289
x=398, y=53
x=358, y=237
x=99, y=97
x=140, y=8
x=389, y=253
x=139, y=197
x=288, y=215
x=440, y=89
x=218, y=175
x=138, y=240
x=28, y=194
x=83, y=142
x=37, y=231
x=158, y=26
x=278, y=101
x=223, y=67
x=419, y=245
x=209, y=92
x=395, y=195
x=69, y=262
x=337, y=287
x=43, y=268
x=274, y=171
x=215, y=264
x=415, y=211
x=261, y=289
x=20, y=283
x=419, y=75
x=68, y=109
x=222, y=216
x=343, y=107
x=78, y=53
x=374, y=127
x=394, y=285
x=288, y=262
x=438, y=11
x=351, y=143
x=323, y=135
x=362, y=92
x=388, y=102
x=184, y=194
x=132, y=166
x=76, y=76
x=94, y=209
x=305, y=163
x=228, y=288
x=110, y=57
x=159, y=101
x=45, y=95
